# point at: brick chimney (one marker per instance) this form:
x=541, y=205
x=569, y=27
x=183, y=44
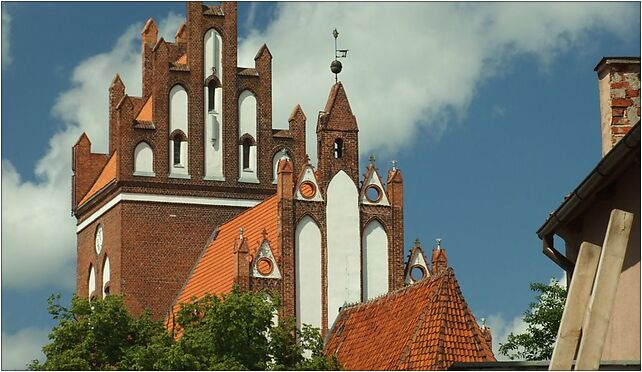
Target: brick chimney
x=619, y=83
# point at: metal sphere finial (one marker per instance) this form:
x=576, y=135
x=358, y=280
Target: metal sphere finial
x=336, y=66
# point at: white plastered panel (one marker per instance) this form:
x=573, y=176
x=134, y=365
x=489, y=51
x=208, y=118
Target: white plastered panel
x=308, y=272
x=92, y=280
x=344, y=242
x=214, y=137
x=106, y=274
x=247, y=125
x=212, y=54
x=375, y=261
x=178, y=120
x=143, y=160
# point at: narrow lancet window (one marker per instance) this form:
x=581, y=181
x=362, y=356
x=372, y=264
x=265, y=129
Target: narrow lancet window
x=246, y=154
x=338, y=148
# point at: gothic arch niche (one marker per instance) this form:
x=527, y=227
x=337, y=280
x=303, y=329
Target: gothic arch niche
x=143, y=160
x=106, y=277
x=91, y=283
x=375, y=260
x=178, y=129
x=281, y=154
x=212, y=54
x=343, y=239
x=248, y=171
x=308, y=272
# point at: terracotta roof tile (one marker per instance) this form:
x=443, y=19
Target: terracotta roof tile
x=215, y=271
x=105, y=177
x=425, y=326
x=145, y=113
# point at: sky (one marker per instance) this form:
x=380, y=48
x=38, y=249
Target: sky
x=490, y=109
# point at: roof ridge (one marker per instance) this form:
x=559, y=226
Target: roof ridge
x=441, y=283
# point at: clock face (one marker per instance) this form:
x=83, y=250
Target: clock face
x=99, y=239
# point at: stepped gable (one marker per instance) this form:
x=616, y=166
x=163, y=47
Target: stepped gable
x=106, y=177
x=215, y=271
x=425, y=326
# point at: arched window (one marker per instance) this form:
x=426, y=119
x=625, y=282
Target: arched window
x=178, y=140
x=246, y=154
x=338, y=148
x=143, y=160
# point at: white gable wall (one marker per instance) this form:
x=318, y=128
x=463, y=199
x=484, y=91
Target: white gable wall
x=375, y=261
x=344, y=256
x=308, y=272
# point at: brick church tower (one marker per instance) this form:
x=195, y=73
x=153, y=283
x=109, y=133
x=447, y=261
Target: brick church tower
x=198, y=193
x=194, y=150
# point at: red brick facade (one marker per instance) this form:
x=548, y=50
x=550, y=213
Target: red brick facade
x=153, y=246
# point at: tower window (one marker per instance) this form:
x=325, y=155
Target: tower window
x=176, y=140
x=177, y=151
x=246, y=154
x=338, y=148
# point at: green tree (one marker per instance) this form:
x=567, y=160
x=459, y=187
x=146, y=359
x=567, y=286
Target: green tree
x=543, y=320
x=231, y=332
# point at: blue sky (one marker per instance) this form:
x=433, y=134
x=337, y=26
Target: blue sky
x=490, y=109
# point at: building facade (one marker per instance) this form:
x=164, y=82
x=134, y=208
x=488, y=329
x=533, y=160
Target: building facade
x=199, y=193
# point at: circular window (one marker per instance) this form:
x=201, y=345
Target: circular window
x=99, y=239
x=373, y=193
x=264, y=266
x=417, y=273
x=308, y=189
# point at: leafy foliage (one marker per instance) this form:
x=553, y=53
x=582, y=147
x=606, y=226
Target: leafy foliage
x=543, y=318
x=231, y=332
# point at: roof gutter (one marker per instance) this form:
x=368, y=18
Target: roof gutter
x=574, y=203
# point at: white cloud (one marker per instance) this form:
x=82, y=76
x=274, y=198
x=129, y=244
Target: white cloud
x=6, y=38
x=36, y=219
x=414, y=68
x=501, y=327
x=21, y=348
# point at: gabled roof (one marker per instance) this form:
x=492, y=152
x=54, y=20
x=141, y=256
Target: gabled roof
x=425, y=326
x=106, y=176
x=215, y=271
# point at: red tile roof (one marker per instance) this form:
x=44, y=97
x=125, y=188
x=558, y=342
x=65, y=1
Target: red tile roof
x=215, y=271
x=106, y=176
x=425, y=326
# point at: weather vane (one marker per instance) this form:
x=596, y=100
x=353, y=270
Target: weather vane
x=335, y=66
